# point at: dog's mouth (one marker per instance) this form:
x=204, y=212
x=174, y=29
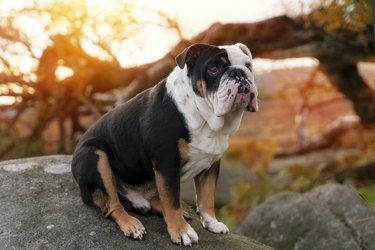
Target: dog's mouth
x=235, y=94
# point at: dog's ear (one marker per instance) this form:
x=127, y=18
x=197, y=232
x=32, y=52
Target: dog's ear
x=244, y=49
x=190, y=54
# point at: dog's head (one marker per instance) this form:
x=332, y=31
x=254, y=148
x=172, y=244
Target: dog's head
x=223, y=75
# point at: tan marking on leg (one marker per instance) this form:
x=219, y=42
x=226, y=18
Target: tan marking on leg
x=205, y=189
x=101, y=201
x=173, y=217
x=202, y=88
x=156, y=206
x=110, y=205
x=156, y=209
x=154, y=166
x=183, y=148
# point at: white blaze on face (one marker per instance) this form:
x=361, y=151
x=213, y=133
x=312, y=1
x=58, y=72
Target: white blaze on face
x=234, y=94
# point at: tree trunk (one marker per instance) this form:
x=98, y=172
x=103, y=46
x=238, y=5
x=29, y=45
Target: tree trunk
x=345, y=77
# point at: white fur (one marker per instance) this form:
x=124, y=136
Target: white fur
x=236, y=54
x=209, y=133
x=190, y=237
x=138, y=234
x=137, y=199
x=212, y=224
x=139, y=196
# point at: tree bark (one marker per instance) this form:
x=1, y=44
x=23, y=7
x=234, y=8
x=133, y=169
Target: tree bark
x=345, y=77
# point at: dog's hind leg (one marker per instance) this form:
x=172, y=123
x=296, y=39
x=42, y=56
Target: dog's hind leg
x=110, y=203
x=156, y=206
x=98, y=187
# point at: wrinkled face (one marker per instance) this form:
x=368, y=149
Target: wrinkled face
x=223, y=75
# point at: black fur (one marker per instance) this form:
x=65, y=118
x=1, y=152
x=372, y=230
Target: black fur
x=144, y=130
x=195, y=57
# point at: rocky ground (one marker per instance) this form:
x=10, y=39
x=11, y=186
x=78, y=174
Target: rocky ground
x=40, y=208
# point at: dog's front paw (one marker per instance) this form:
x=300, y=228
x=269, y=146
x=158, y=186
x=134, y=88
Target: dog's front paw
x=132, y=228
x=186, y=237
x=215, y=226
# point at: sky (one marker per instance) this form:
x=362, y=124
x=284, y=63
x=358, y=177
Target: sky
x=194, y=16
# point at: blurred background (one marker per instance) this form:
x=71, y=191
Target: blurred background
x=63, y=64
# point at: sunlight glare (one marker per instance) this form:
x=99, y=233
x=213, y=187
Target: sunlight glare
x=153, y=40
x=63, y=72
x=95, y=50
x=7, y=100
x=15, y=88
x=25, y=64
x=265, y=65
x=5, y=89
x=99, y=8
x=104, y=29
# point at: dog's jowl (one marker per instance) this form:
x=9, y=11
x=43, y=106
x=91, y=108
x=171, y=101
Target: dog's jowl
x=136, y=155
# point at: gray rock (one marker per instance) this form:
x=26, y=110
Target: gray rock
x=227, y=178
x=40, y=208
x=328, y=217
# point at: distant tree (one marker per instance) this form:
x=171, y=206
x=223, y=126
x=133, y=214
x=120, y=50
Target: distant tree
x=347, y=29
x=68, y=28
x=337, y=33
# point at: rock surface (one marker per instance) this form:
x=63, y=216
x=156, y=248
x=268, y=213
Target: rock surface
x=40, y=208
x=228, y=177
x=328, y=217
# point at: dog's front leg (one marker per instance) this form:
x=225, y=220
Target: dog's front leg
x=205, y=189
x=168, y=187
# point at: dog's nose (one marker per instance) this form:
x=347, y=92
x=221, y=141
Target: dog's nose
x=244, y=88
x=252, y=96
x=237, y=73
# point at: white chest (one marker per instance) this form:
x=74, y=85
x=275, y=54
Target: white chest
x=205, y=148
x=209, y=134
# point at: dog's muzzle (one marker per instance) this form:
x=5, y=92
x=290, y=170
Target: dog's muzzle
x=236, y=92
x=249, y=89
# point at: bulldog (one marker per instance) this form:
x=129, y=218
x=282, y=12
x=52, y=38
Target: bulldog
x=137, y=154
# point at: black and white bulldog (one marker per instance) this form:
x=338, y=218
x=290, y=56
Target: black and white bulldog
x=137, y=155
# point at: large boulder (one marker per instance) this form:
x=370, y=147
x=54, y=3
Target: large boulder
x=328, y=217
x=228, y=177
x=40, y=208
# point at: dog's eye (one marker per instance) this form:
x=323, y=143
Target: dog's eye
x=248, y=65
x=214, y=69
